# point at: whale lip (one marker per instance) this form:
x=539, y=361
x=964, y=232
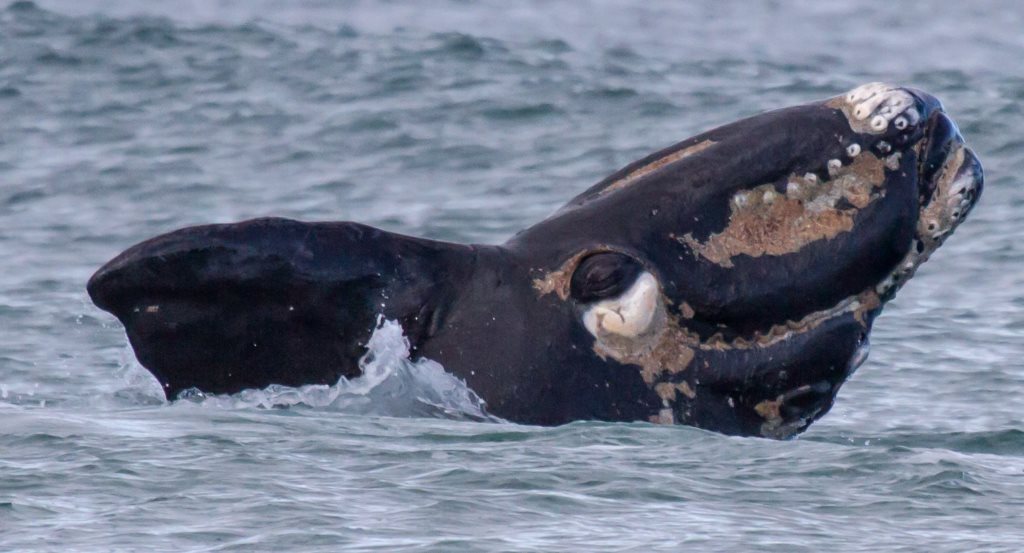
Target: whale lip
x=942, y=141
x=781, y=389
x=951, y=181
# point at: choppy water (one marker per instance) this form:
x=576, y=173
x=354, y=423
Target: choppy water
x=120, y=120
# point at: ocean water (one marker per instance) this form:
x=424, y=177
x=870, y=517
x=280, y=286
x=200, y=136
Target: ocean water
x=466, y=121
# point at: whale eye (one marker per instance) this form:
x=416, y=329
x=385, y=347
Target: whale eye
x=604, y=275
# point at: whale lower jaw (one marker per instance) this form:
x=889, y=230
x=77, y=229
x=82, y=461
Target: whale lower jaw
x=792, y=398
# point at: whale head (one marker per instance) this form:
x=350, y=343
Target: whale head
x=727, y=282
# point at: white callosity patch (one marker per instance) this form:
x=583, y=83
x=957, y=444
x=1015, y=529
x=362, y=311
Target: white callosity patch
x=763, y=221
x=873, y=106
x=834, y=165
x=628, y=315
x=892, y=162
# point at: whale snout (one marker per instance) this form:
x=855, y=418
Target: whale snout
x=947, y=160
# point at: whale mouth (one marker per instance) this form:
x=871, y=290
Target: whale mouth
x=951, y=182
x=780, y=401
x=954, y=190
x=780, y=389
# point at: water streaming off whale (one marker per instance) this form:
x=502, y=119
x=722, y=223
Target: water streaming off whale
x=391, y=385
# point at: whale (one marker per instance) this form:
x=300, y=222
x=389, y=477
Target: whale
x=729, y=281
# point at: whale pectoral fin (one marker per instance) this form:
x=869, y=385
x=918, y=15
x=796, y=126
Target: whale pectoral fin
x=222, y=308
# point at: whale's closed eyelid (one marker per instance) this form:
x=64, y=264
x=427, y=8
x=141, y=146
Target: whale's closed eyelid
x=603, y=275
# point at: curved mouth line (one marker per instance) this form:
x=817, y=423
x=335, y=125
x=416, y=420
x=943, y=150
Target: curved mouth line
x=859, y=304
x=954, y=188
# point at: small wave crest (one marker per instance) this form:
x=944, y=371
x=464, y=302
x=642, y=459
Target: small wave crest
x=391, y=384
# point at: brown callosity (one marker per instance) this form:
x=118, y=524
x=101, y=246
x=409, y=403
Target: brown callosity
x=765, y=222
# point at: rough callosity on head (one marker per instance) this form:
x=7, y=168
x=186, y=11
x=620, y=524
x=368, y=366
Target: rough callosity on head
x=870, y=108
x=668, y=349
x=636, y=329
x=948, y=204
x=765, y=222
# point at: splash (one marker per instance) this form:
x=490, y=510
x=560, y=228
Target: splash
x=391, y=385
x=142, y=387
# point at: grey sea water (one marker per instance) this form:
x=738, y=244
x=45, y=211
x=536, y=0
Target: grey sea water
x=468, y=121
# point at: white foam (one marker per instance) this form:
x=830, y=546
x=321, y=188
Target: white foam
x=142, y=387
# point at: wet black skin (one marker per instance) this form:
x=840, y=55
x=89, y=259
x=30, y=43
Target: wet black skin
x=274, y=301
